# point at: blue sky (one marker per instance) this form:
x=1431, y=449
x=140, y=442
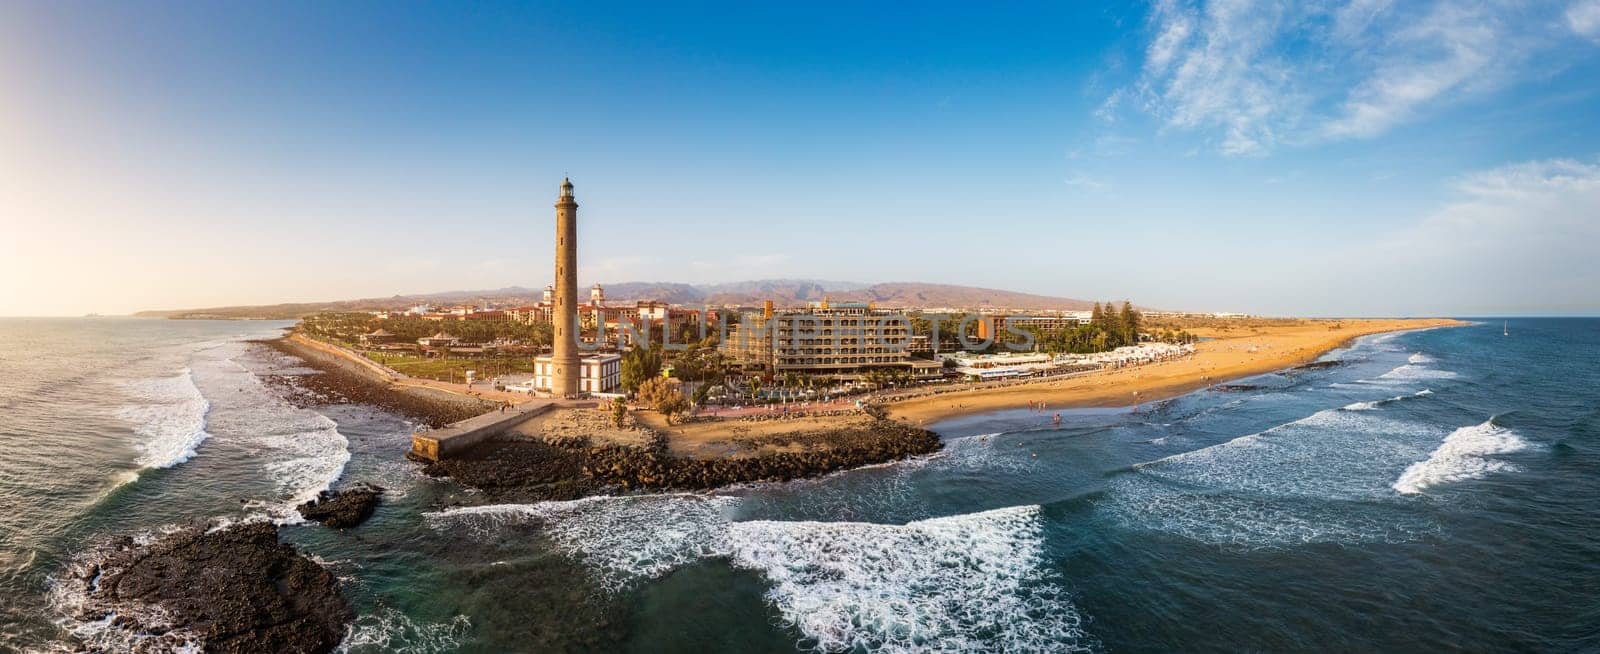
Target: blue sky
x=1322, y=158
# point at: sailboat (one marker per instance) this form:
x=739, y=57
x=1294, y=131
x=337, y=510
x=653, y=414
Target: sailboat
x=1505, y=329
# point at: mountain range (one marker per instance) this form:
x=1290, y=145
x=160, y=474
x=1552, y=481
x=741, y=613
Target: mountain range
x=783, y=292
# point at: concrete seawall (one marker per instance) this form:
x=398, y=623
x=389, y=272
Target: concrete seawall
x=461, y=436
x=370, y=366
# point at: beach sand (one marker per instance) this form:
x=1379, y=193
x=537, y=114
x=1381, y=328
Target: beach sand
x=1236, y=350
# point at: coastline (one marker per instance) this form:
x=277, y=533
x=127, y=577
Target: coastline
x=341, y=380
x=539, y=462
x=1227, y=355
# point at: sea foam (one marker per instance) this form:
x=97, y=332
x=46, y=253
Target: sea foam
x=622, y=539
x=389, y=630
x=1414, y=371
x=169, y=415
x=301, y=451
x=1284, y=485
x=962, y=582
x=1373, y=404
x=1465, y=454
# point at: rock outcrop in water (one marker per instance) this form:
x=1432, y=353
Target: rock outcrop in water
x=343, y=509
x=1316, y=365
x=531, y=469
x=236, y=589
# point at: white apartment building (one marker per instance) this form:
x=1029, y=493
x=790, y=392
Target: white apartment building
x=597, y=373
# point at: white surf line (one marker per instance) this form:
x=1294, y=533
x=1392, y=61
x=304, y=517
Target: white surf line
x=965, y=582
x=170, y=416
x=1465, y=454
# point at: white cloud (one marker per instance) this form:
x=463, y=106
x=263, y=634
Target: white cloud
x=1253, y=74
x=1518, y=238
x=1214, y=67
x=1536, y=210
x=1583, y=17
x=1444, y=52
x=1080, y=180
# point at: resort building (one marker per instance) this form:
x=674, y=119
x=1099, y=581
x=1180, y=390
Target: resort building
x=378, y=337
x=441, y=339
x=1004, y=365
x=994, y=324
x=599, y=373
x=839, y=340
x=636, y=315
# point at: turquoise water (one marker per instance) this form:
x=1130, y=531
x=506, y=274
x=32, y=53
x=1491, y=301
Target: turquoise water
x=1440, y=489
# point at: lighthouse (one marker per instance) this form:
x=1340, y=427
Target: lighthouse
x=564, y=358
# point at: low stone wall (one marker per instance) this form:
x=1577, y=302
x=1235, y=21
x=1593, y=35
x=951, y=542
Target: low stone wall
x=430, y=446
x=441, y=443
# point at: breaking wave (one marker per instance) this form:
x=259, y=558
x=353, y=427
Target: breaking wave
x=1253, y=521
x=302, y=451
x=306, y=462
x=391, y=631
x=959, y=583
x=1284, y=485
x=963, y=582
x=1368, y=406
x=169, y=415
x=977, y=452
x=622, y=539
x=1332, y=453
x=1414, y=371
x=1465, y=454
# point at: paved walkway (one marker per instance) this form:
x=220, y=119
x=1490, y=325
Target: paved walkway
x=482, y=390
x=777, y=409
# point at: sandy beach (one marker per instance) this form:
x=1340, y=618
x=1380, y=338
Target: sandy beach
x=1233, y=351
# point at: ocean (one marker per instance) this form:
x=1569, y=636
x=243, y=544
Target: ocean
x=1437, y=489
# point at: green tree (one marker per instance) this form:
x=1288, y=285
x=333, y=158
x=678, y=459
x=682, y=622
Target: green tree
x=619, y=411
x=1129, y=320
x=640, y=365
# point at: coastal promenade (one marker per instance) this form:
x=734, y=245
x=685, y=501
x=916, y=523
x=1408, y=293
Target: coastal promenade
x=373, y=368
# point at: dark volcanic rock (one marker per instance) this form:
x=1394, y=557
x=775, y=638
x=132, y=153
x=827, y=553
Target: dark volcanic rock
x=522, y=469
x=528, y=469
x=235, y=590
x=1316, y=365
x=343, y=509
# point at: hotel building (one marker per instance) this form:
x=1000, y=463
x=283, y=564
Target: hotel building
x=841, y=340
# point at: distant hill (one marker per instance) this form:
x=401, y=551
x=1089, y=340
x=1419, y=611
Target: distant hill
x=783, y=292
x=898, y=295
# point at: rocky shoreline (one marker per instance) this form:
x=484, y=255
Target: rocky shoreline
x=341, y=382
x=521, y=468
x=343, y=509
x=233, y=589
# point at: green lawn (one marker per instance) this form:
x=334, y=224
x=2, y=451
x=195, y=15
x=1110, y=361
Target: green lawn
x=452, y=369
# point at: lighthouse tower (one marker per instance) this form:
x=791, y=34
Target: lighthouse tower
x=564, y=360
